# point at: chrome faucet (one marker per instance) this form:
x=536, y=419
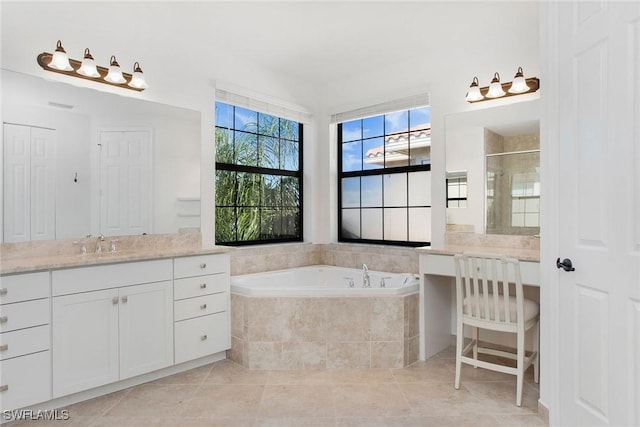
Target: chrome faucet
x=98, y=244
x=366, y=280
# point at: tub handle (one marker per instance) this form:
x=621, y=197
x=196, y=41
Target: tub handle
x=383, y=284
x=351, y=282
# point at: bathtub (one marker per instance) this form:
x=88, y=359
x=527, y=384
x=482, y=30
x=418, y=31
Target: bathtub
x=310, y=318
x=323, y=280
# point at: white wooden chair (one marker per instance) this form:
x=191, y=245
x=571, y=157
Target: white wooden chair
x=485, y=300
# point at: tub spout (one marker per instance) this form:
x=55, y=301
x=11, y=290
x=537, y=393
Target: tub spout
x=366, y=280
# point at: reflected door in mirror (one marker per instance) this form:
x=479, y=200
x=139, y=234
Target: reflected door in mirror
x=29, y=179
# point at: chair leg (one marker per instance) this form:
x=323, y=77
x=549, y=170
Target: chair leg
x=474, y=337
x=536, y=348
x=519, y=366
x=459, y=347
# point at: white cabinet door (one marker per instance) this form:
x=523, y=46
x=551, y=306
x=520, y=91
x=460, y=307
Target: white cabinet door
x=146, y=328
x=85, y=341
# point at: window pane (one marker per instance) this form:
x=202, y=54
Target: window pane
x=225, y=188
x=372, y=191
x=531, y=220
x=420, y=118
x=352, y=156
x=532, y=205
x=224, y=115
x=351, y=192
x=352, y=130
x=395, y=224
x=395, y=189
x=246, y=148
x=290, y=192
x=420, y=147
x=225, y=225
x=373, y=126
x=289, y=155
x=270, y=190
x=269, y=152
x=420, y=189
x=373, y=153
x=289, y=130
x=248, y=189
x=396, y=122
x=245, y=120
x=270, y=223
x=224, y=146
x=372, y=224
x=268, y=125
x=248, y=224
x=396, y=150
x=420, y=224
x=290, y=223
x=351, y=223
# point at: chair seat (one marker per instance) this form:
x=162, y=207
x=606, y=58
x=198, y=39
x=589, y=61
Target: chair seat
x=531, y=308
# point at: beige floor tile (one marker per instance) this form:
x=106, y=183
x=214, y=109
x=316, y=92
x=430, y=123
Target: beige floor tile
x=361, y=422
x=296, y=422
x=362, y=376
x=532, y=420
x=444, y=421
x=370, y=400
x=429, y=371
x=77, y=421
x=499, y=397
x=295, y=401
x=226, y=372
x=299, y=377
x=192, y=376
x=152, y=400
x=98, y=406
x=223, y=400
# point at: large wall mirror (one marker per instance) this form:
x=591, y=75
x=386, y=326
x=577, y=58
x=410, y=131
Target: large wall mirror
x=493, y=170
x=76, y=161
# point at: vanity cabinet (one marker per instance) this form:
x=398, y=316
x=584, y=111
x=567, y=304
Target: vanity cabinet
x=201, y=306
x=25, y=368
x=110, y=322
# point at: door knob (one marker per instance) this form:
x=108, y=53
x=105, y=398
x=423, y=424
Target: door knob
x=566, y=264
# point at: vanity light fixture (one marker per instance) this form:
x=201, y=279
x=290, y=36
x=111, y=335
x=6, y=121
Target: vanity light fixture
x=59, y=62
x=496, y=89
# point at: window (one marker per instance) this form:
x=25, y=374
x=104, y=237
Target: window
x=525, y=200
x=384, y=167
x=456, y=189
x=258, y=177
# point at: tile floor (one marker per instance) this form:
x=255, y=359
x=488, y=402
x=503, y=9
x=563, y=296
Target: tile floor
x=226, y=394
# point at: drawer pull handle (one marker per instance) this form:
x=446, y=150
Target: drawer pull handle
x=203, y=265
x=114, y=300
x=203, y=286
x=203, y=306
x=3, y=291
x=4, y=347
x=4, y=319
x=125, y=299
x=203, y=338
x=4, y=387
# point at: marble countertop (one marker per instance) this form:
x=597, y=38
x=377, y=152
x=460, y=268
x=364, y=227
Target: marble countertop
x=40, y=262
x=522, y=254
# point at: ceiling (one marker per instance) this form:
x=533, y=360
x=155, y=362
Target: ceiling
x=312, y=42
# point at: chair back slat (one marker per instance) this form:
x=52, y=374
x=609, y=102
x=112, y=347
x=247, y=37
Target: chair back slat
x=483, y=287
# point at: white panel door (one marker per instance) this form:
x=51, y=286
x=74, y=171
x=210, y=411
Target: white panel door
x=29, y=183
x=43, y=184
x=599, y=212
x=16, y=176
x=125, y=166
x=146, y=328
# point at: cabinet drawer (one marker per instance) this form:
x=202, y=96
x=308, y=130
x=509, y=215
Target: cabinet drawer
x=24, y=314
x=26, y=380
x=200, y=265
x=85, y=279
x=201, y=336
x=201, y=285
x=23, y=287
x=24, y=341
x=200, y=306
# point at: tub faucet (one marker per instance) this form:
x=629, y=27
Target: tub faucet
x=366, y=281
x=98, y=244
